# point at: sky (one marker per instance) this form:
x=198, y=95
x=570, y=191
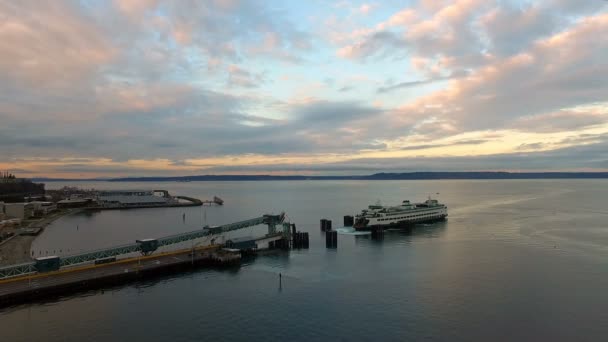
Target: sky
x=146, y=88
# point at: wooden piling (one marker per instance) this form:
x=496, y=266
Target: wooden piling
x=349, y=221
x=331, y=239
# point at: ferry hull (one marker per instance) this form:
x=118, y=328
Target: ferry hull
x=400, y=224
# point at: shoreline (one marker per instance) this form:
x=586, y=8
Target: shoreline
x=17, y=249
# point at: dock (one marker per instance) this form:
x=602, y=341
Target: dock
x=138, y=199
x=94, y=276
x=215, y=201
x=53, y=275
x=191, y=202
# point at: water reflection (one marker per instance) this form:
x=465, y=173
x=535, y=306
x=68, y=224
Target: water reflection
x=405, y=235
x=490, y=274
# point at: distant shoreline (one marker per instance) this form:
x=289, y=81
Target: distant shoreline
x=377, y=176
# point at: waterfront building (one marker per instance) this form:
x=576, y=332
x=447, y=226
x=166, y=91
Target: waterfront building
x=42, y=208
x=21, y=211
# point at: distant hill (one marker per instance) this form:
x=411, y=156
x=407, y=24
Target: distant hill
x=376, y=176
x=46, y=179
x=486, y=175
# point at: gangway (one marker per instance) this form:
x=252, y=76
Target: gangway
x=148, y=246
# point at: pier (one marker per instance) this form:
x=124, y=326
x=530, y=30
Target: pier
x=54, y=275
x=215, y=201
x=93, y=276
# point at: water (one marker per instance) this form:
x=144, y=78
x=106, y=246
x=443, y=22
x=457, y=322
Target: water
x=517, y=259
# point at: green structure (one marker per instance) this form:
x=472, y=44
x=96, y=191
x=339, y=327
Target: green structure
x=143, y=246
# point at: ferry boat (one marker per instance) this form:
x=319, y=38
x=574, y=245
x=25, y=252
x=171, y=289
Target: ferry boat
x=401, y=216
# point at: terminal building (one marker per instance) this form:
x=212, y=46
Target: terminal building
x=43, y=208
x=21, y=211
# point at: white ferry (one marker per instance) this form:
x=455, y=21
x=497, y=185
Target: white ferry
x=404, y=215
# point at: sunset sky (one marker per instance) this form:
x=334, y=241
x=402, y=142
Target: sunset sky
x=140, y=87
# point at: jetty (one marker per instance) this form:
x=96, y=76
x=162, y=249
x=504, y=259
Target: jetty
x=54, y=275
x=215, y=201
x=137, y=199
x=112, y=272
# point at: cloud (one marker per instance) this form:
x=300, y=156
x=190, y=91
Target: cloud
x=147, y=86
x=531, y=146
x=50, y=45
x=456, y=143
x=242, y=78
x=554, y=74
x=377, y=44
x=199, y=124
x=466, y=33
x=587, y=157
x=366, y=9
x=561, y=121
x=408, y=84
x=445, y=32
x=323, y=113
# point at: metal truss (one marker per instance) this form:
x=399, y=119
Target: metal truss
x=99, y=254
x=17, y=270
x=27, y=268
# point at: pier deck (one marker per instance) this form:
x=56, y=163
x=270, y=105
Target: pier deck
x=52, y=275
x=27, y=288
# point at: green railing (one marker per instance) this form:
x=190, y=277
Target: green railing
x=29, y=268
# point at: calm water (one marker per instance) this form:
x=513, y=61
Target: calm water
x=516, y=260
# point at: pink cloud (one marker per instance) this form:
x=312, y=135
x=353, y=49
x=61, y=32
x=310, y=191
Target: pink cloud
x=135, y=8
x=558, y=72
x=50, y=43
x=366, y=9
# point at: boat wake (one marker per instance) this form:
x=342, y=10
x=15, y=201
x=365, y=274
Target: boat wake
x=350, y=231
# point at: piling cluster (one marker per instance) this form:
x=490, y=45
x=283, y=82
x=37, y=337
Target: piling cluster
x=325, y=225
x=349, y=221
x=279, y=244
x=299, y=239
x=331, y=236
x=331, y=239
